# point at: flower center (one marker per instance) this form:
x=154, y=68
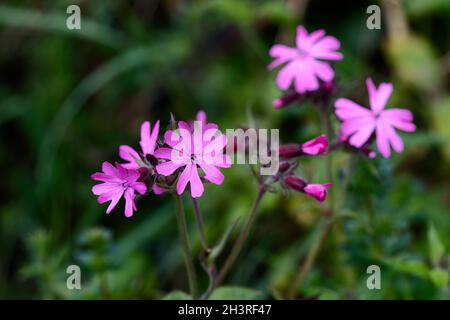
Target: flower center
x=302, y=53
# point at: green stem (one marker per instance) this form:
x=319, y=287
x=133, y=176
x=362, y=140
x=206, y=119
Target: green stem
x=200, y=225
x=182, y=228
x=241, y=238
x=207, y=265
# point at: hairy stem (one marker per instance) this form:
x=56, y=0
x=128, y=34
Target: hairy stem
x=237, y=247
x=188, y=260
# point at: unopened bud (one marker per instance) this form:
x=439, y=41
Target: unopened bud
x=295, y=183
x=285, y=100
x=290, y=151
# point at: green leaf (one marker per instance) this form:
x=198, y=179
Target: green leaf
x=439, y=277
x=413, y=267
x=177, y=295
x=235, y=293
x=436, y=248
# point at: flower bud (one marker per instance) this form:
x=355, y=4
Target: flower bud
x=315, y=146
x=290, y=150
x=295, y=183
x=317, y=191
x=284, y=166
x=285, y=100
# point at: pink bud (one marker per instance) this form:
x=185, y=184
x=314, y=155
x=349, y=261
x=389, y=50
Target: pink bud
x=316, y=146
x=317, y=191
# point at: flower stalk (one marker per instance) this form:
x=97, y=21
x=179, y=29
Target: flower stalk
x=200, y=224
x=188, y=260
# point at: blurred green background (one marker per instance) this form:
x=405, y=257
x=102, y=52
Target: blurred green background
x=68, y=99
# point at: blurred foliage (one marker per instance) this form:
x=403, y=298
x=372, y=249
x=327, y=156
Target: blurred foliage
x=68, y=99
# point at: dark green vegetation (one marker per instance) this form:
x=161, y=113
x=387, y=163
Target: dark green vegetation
x=68, y=99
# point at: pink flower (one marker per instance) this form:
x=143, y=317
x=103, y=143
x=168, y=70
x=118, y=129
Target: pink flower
x=193, y=149
x=118, y=182
x=148, y=145
x=316, y=146
x=317, y=191
x=360, y=123
x=303, y=67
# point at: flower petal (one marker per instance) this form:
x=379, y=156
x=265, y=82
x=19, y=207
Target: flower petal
x=114, y=200
x=378, y=97
x=196, y=184
x=109, y=169
x=212, y=173
x=164, y=153
x=140, y=187
x=282, y=54
x=305, y=78
x=351, y=126
x=323, y=70
x=302, y=39
x=382, y=140
x=400, y=119
x=394, y=139
x=286, y=76
x=167, y=168
x=347, y=109
x=184, y=178
x=326, y=48
x=129, y=202
x=148, y=141
x=106, y=187
x=362, y=135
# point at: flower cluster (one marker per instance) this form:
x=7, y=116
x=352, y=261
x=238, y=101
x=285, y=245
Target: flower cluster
x=191, y=154
x=303, y=70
